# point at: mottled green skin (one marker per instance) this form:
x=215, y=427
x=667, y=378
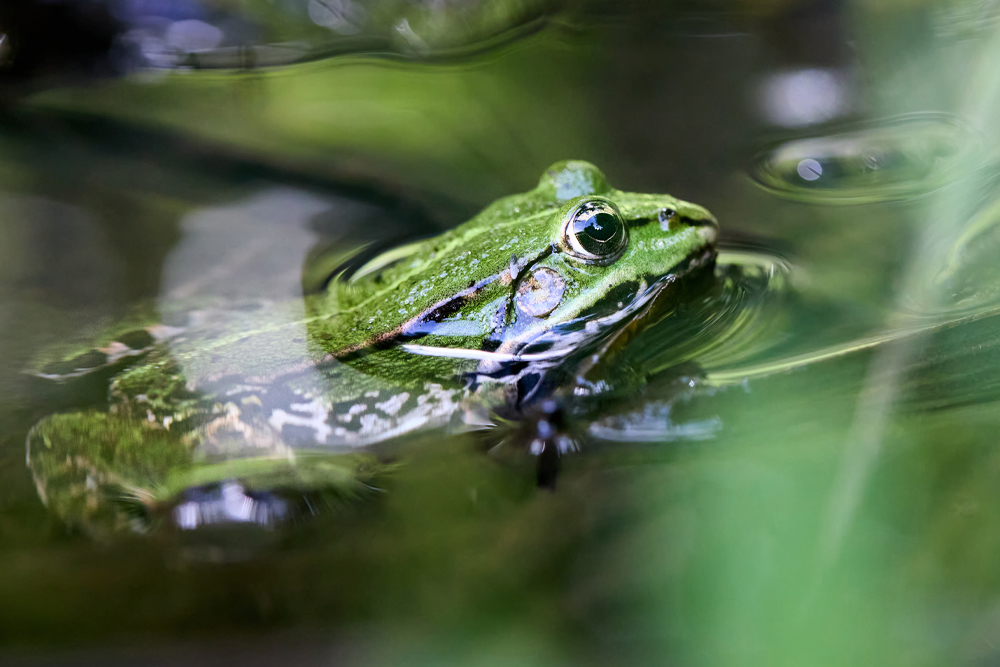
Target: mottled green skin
x=275, y=395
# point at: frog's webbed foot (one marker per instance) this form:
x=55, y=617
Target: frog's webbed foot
x=545, y=433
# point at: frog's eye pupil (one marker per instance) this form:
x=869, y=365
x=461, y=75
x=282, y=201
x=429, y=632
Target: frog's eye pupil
x=596, y=232
x=602, y=227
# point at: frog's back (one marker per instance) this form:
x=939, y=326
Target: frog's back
x=424, y=282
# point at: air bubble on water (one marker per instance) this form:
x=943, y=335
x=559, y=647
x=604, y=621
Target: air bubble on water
x=810, y=169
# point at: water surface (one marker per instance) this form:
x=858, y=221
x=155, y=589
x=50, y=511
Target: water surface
x=824, y=495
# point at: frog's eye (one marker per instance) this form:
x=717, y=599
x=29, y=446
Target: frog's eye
x=595, y=232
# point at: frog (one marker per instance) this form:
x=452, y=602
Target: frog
x=241, y=415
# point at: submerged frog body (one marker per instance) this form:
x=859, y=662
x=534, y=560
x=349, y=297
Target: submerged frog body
x=521, y=305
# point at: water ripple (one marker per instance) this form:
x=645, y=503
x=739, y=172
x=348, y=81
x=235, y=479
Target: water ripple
x=887, y=160
x=739, y=319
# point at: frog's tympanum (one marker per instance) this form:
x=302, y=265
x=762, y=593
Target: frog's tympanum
x=517, y=312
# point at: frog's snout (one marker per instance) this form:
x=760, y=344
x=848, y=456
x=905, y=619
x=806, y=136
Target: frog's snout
x=690, y=215
x=704, y=222
x=709, y=233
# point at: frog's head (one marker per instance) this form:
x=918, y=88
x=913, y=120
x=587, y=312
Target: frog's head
x=548, y=271
x=612, y=253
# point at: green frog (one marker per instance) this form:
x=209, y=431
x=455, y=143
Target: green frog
x=517, y=313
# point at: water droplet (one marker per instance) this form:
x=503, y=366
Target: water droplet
x=809, y=169
x=893, y=159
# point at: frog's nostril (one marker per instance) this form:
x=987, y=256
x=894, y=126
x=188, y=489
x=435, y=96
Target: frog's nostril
x=670, y=220
x=667, y=217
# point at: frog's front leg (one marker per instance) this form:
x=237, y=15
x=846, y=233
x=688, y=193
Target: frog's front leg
x=546, y=430
x=561, y=424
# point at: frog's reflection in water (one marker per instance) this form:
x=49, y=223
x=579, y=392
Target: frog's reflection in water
x=189, y=422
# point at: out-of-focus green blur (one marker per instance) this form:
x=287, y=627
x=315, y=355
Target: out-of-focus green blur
x=845, y=509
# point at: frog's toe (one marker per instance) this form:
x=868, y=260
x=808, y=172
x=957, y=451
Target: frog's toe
x=549, y=439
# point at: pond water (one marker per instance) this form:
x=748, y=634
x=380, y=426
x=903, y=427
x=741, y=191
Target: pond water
x=823, y=491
